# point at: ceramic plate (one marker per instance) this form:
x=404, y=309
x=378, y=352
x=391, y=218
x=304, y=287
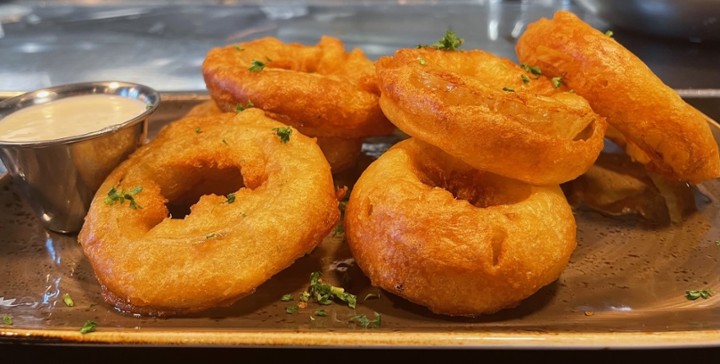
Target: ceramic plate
x=625, y=286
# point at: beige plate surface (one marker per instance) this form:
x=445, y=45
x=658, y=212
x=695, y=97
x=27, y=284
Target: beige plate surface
x=624, y=287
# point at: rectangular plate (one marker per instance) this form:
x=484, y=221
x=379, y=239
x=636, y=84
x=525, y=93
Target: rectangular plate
x=624, y=287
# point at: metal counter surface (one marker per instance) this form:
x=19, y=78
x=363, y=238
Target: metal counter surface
x=162, y=43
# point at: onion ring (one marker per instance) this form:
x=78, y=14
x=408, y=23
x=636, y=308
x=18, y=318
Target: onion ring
x=321, y=90
x=261, y=196
x=428, y=227
x=490, y=113
x=660, y=129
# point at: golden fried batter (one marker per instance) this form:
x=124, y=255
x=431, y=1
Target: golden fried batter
x=490, y=113
x=321, y=90
x=260, y=195
x=659, y=129
x=428, y=227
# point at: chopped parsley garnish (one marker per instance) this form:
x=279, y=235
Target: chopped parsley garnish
x=365, y=322
x=284, y=133
x=239, y=48
x=88, y=327
x=535, y=70
x=556, y=81
x=292, y=308
x=7, y=319
x=525, y=79
x=324, y=293
x=198, y=130
x=287, y=297
x=320, y=313
x=230, y=198
x=256, y=66
x=321, y=293
x=118, y=197
x=422, y=61
x=240, y=107
x=695, y=294
x=609, y=33
x=68, y=300
x=449, y=42
x=508, y=89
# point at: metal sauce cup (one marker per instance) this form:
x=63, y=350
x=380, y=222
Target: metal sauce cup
x=58, y=178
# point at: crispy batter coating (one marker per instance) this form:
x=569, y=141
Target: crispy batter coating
x=321, y=90
x=428, y=227
x=661, y=130
x=490, y=113
x=341, y=153
x=256, y=204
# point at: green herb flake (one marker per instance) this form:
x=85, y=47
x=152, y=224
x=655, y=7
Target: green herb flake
x=284, y=133
x=287, y=297
x=116, y=196
x=324, y=293
x=320, y=313
x=198, y=130
x=449, y=42
x=692, y=295
x=256, y=66
x=230, y=198
x=525, y=79
x=68, y=300
x=365, y=322
x=88, y=327
x=717, y=242
x=239, y=48
x=609, y=33
x=508, y=89
x=241, y=107
x=7, y=319
x=292, y=308
x=556, y=81
x=422, y=61
x=535, y=70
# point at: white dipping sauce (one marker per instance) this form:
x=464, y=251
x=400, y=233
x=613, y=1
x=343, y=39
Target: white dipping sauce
x=75, y=115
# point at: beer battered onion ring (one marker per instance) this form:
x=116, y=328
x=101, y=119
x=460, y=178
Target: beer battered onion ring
x=321, y=90
x=341, y=153
x=490, y=113
x=261, y=203
x=661, y=130
x=428, y=227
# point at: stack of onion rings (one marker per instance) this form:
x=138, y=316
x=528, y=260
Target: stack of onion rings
x=467, y=217
x=658, y=128
x=261, y=195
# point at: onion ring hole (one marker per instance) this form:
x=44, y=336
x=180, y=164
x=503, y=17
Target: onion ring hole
x=200, y=181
